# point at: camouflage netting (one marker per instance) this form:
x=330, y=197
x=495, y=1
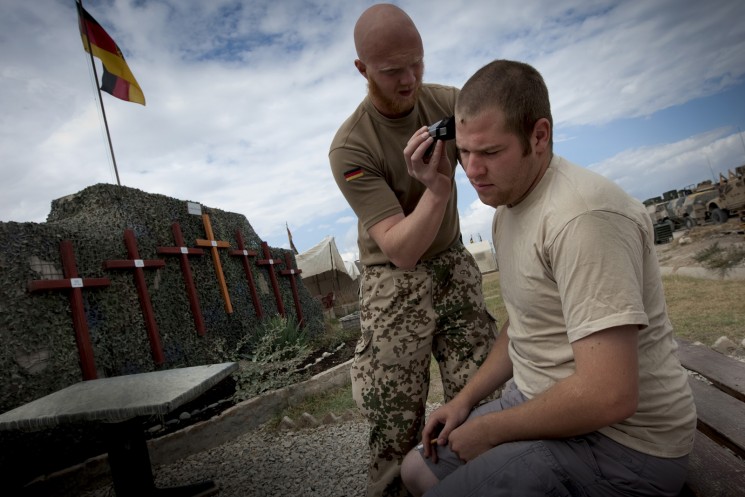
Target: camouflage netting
x=39, y=353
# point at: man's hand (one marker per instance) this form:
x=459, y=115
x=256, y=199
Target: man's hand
x=405, y=238
x=434, y=172
x=440, y=424
x=469, y=440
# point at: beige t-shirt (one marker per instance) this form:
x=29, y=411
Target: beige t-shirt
x=576, y=257
x=368, y=165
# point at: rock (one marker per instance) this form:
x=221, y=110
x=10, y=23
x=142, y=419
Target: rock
x=308, y=421
x=184, y=416
x=154, y=429
x=287, y=424
x=331, y=418
x=684, y=240
x=724, y=345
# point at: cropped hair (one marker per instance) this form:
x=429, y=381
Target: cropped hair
x=515, y=88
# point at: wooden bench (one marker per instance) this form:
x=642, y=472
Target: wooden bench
x=717, y=463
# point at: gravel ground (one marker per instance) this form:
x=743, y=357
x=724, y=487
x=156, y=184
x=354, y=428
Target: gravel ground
x=327, y=461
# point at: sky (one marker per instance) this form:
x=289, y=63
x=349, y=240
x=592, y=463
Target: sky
x=244, y=97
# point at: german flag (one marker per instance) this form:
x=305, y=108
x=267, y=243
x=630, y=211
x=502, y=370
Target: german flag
x=117, y=78
x=353, y=174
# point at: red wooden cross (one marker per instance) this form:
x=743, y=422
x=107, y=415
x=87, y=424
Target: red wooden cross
x=244, y=255
x=75, y=284
x=214, y=245
x=184, y=252
x=137, y=265
x=268, y=261
x=290, y=272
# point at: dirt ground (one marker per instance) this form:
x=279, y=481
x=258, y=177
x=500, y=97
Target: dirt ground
x=686, y=244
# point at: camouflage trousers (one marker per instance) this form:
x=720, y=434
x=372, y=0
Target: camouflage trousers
x=436, y=309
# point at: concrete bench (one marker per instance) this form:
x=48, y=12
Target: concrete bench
x=717, y=463
x=119, y=402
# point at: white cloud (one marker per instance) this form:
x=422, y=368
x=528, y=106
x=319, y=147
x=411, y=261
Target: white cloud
x=649, y=171
x=244, y=97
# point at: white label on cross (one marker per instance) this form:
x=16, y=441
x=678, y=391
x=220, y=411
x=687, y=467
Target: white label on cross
x=214, y=243
x=184, y=250
x=271, y=262
x=139, y=263
x=76, y=282
x=245, y=252
x=194, y=208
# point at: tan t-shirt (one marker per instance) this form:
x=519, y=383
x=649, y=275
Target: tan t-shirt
x=576, y=257
x=368, y=165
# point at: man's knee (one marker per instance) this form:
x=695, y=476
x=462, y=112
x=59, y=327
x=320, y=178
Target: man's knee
x=416, y=475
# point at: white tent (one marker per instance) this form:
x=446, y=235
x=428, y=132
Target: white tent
x=326, y=274
x=352, y=269
x=484, y=256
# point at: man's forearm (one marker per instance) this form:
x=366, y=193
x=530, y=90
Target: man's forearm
x=405, y=239
x=602, y=391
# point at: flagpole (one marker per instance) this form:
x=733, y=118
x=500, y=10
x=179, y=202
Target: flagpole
x=98, y=89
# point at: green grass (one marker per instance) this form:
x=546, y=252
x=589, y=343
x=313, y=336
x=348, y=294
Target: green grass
x=719, y=259
x=337, y=400
x=704, y=310
x=700, y=310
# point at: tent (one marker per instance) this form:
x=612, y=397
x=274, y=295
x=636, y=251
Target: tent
x=326, y=275
x=484, y=256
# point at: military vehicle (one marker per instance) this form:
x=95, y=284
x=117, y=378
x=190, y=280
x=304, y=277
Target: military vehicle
x=686, y=207
x=693, y=211
x=730, y=198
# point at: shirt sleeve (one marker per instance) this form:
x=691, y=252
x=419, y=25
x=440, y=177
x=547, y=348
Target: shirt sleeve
x=364, y=188
x=597, y=261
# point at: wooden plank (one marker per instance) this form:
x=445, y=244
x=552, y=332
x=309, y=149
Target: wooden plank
x=720, y=416
x=714, y=471
x=726, y=373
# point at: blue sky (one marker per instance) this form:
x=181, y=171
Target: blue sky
x=245, y=96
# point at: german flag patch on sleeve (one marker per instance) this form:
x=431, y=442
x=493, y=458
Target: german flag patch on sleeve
x=355, y=173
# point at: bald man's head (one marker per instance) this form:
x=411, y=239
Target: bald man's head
x=391, y=58
x=382, y=28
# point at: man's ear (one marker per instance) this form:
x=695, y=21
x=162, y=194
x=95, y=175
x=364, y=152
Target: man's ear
x=361, y=67
x=541, y=134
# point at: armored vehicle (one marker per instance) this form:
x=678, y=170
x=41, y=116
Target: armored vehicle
x=730, y=198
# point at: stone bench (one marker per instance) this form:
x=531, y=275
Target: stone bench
x=119, y=403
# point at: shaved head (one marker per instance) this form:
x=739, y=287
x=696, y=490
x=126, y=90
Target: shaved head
x=391, y=57
x=381, y=29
